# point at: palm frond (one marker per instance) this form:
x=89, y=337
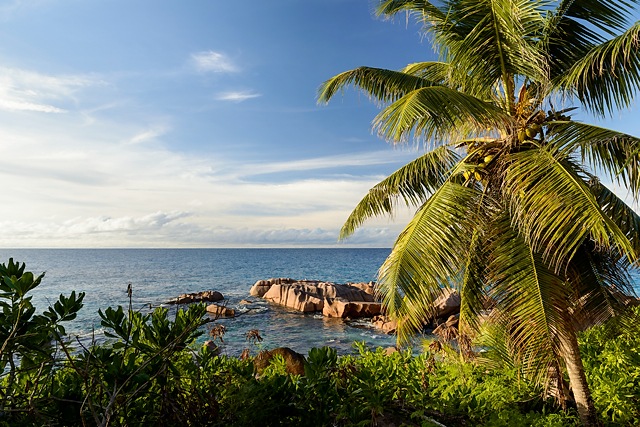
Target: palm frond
x=499, y=46
x=442, y=23
x=444, y=74
x=615, y=153
x=530, y=300
x=381, y=85
x=423, y=10
x=554, y=208
x=601, y=284
x=438, y=113
x=567, y=41
x=575, y=27
x=426, y=256
x=412, y=183
x=440, y=73
x=615, y=208
x=607, y=16
x=484, y=41
x=607, y=77
x=472, y=284
x=433, y=71
x=495, y=338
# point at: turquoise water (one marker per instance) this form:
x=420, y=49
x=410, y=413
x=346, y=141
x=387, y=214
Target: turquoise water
x=157, y=275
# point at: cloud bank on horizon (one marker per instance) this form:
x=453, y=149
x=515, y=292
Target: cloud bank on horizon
x=159, y=124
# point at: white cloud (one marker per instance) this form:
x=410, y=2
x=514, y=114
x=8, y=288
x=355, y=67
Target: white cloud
x=148, y=135
x=146, y=223
x=90, y=193
x=23, y=90
x=216, y=62
x=237, y=96
x=342, y=161
x=83, y=179
x=19, y=105
x=163, y=229
x=97, y=187
x=95, y=231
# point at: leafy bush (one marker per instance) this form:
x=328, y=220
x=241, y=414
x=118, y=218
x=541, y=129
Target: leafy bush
x=612, y=366
x=428, y=386
x=145, y=374
x=151, y=373
x=28, y=352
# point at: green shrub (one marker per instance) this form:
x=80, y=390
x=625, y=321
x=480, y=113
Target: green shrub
x=146, y=373
x=612, y=366
x=150, y=374
x=29, y=345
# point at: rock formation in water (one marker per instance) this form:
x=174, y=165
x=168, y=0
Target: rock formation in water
x=204, y=296
x=351, y=300
x=220, y=311
x=309, y=296
x=384, y=324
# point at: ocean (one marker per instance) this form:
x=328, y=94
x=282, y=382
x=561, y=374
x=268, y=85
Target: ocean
x=157, y=275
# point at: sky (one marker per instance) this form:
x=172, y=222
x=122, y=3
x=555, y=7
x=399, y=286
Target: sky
x=194, y=123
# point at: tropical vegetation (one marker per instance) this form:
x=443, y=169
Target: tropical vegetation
x=152, y=372
x=511, y=211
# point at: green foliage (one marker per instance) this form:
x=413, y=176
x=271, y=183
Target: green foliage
x=28, y=342
x=611, y=357
x=375, y=388
x=149, y=374
x=516, y=217
x=145, y=373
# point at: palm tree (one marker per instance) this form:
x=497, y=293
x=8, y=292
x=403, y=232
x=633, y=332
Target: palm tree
x=509, y=205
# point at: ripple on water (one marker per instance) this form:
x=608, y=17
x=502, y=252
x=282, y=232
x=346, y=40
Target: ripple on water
x=158, y=275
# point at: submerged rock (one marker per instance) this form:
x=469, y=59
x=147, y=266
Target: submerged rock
x=204, y=296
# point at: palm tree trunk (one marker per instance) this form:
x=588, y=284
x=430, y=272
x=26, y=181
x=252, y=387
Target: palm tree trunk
x=578, y=380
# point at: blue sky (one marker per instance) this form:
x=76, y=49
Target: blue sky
x=193, y=124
